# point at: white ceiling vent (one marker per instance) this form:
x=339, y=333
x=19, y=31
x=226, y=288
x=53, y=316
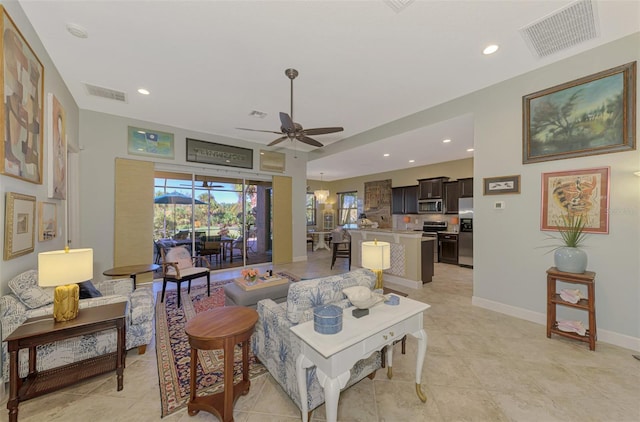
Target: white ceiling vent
x=111, y=94
x=398, y=5
x=565, y=28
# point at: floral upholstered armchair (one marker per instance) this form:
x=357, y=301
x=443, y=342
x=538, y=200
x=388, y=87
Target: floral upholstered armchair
x=27, y=300
x=277, y=347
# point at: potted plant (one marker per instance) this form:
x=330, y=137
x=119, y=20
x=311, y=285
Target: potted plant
x=569, y=257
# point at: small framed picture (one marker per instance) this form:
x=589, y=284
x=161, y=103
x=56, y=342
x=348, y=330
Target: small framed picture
x=501, y=185
x=19, y=223
x=47, y=221
x=272, y=161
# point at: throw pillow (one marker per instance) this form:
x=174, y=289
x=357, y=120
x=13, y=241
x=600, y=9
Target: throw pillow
x=25, y=287
x=88, y=290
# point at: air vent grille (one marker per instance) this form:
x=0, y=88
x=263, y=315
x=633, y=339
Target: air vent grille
x=569, y=26
x=111, y=94
x=398, y=5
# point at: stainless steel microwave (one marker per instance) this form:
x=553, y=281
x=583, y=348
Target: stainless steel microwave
x=430, y=206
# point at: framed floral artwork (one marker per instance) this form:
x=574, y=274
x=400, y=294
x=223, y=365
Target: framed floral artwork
x=579, y=193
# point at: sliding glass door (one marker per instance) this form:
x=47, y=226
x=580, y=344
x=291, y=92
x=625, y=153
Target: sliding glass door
x=226, y=219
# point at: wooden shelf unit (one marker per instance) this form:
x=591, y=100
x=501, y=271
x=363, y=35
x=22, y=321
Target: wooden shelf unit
x=589, y=304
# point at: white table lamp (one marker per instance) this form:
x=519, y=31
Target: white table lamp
x=376, y=256
x=63, y=270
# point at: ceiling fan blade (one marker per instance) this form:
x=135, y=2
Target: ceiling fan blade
x=322, y=130
x=287, y=123
x=258, y=130
x=277, y=141
x=308, y=141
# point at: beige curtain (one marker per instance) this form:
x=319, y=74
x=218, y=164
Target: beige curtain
x=133, y=226
x=282, y=220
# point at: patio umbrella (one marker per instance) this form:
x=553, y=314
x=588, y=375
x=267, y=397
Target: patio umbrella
x=175, y=198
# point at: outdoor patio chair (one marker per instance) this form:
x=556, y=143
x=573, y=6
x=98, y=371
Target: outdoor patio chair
x=210, y=246
x=178, y=266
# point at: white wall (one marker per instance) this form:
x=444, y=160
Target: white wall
x=52, y=84
x=104, y=138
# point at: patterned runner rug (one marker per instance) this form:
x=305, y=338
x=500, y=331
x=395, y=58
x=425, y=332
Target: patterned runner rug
x=173, y=350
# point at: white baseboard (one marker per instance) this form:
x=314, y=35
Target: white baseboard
x=402, y=281
x=607, y=336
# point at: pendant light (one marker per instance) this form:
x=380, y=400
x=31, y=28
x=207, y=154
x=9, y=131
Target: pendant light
x=321, y=194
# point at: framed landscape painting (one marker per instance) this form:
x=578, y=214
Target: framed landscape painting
x=21, y=117
x=582, y=193
x=592, y=115
x=501, y=185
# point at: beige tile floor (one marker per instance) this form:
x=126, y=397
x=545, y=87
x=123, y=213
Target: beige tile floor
x=480, y=366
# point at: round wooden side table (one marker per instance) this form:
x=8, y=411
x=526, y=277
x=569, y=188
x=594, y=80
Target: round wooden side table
x=221, y=328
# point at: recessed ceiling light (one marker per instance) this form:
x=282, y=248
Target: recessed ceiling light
x=470, y=150
x=143, y=91
x=490, y=49
x=446, y=141
x=77, y=31
x=386, y=155
x=412, y=161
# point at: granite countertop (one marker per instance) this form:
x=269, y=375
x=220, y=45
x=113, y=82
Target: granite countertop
x=390, y=231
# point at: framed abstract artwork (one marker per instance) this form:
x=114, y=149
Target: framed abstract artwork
x=150, y=143
x=22, y=111
x=47, y=221
x=591, y=115
x=19, y=225
x=582, y=193
x=57, y=162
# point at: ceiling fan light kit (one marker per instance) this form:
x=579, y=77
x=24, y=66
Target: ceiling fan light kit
x=292, y=130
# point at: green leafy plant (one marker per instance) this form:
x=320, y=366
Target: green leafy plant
x=572, y=230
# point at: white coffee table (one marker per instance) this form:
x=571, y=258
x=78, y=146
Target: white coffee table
x=334, y=355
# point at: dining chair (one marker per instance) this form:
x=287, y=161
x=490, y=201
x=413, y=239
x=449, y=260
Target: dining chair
x=178, y=266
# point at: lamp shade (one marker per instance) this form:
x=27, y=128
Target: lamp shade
x=455, y=220
x=57, y=268
x=376, y=255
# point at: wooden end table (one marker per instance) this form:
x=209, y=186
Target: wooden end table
x=221, y=328
x=42, y=330
x=588, y=279
x=131, y=271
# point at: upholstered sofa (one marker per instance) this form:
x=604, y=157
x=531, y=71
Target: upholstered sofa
x=28, y=300
x=277, y=347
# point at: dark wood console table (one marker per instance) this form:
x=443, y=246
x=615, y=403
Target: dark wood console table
x=42, y=330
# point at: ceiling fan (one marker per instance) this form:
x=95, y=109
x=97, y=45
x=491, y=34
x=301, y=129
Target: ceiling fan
x=295, y=131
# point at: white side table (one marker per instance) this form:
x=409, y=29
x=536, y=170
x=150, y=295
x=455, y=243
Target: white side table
x=334, y=355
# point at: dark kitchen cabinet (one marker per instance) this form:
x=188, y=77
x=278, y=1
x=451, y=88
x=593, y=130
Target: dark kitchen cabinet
x=404, y=200
x=451, y=196
x=465, y=187
x=448, y=248
x=431, y=188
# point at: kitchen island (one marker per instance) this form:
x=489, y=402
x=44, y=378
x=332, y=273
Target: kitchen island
x=411, y=254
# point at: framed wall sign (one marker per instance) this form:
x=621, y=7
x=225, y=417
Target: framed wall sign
x=150, y=143
x=21, y=117
x=501, y=185
x=591, y=115
x=576, y=192
x=19, y=225
x=47, y=221
x=219, y=154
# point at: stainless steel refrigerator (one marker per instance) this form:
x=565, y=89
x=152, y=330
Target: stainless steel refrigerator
x=465, y=237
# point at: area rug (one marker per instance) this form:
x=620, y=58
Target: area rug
x=174, y=353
